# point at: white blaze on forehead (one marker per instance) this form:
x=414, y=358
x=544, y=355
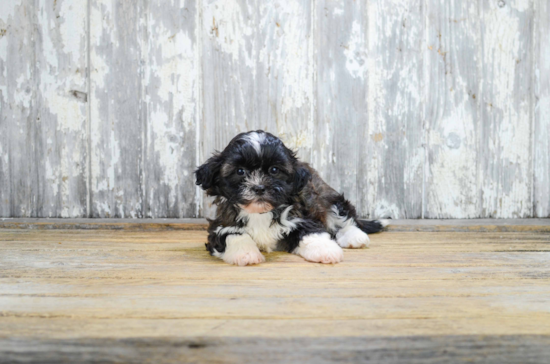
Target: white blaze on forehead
x=256, y=140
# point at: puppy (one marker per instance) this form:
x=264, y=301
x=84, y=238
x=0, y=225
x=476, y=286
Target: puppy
x=268, y=200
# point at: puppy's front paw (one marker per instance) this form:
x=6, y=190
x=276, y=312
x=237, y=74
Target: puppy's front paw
x=245, y=258
x=351, y=237
x=320, y=248
x=241, y=250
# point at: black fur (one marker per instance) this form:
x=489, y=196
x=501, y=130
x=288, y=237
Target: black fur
x=215, y=242
x=301, y=177
x=208, y=175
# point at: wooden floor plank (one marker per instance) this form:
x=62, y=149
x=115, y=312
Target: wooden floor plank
x=98, y=295
x=256, y=288
x=282, y=308
x=69, y=328
x=527, y=349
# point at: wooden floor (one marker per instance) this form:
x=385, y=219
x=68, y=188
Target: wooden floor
x=92, y=296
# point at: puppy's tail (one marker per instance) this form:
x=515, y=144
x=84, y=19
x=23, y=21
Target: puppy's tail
x=372, y=226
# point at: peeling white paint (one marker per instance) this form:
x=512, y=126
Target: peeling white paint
x=100, y=67
x=286, y=55
x=74, y=15
x=451, y=187
x=9, y=7
x=113, y=163
x=522, y=5
x=232, y=30
x=49, y=51
x=266, y=58
x=542, y=150
x=355, y=52
x=387, y=209
x=21, y=95
x=167, y=149
x=171, y=81
x=175, y=72
x=506, y=193
x=4, y=40
x=296, y=91
x=395, y=154
x=300, y=139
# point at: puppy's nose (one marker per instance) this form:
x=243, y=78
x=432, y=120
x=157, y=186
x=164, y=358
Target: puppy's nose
x=259, y=189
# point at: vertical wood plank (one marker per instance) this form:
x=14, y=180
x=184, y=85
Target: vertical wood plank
x=117, y=123
x=60, y=136
x=229, y=68
x=256, y=73
x=17, y=106
x=44, y=110
x=452, y=73
x=171, y=78
x=542, y=110
x=392, y=155
x=285, y=72
x=505, y=148
x=341, y=63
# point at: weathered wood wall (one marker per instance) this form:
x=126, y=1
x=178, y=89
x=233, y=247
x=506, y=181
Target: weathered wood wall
x=422, y=108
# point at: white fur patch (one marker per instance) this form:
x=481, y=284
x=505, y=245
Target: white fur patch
x=256, y=140
x=384, y=223
x=352, y=237
x=241, y=250
x=263, y=232
x=319, y=248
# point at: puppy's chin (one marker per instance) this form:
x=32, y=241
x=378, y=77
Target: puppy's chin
x=257, y=207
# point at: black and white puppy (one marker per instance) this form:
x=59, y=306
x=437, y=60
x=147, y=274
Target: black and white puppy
x=268, y=200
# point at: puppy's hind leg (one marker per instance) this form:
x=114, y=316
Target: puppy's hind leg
x=341, y=220
x=320, y=248
x=351, y=237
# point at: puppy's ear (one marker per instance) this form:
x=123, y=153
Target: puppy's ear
x=301, y=177
x=208, y=174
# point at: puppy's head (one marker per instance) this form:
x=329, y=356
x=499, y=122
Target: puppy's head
x=256, y=172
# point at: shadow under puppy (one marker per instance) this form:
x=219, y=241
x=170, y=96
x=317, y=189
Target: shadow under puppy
x=269, y=200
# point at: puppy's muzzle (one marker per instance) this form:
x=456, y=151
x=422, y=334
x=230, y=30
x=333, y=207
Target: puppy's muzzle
x=258, y=190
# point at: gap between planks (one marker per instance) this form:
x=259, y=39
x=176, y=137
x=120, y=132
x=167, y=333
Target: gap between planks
x=422, y=225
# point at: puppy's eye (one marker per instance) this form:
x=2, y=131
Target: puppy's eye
x=240, y=172
x=274, y=170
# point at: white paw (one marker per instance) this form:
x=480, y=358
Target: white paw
x=352, y=237
x=241, y=250
x=245, y=258
x=320, y=248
